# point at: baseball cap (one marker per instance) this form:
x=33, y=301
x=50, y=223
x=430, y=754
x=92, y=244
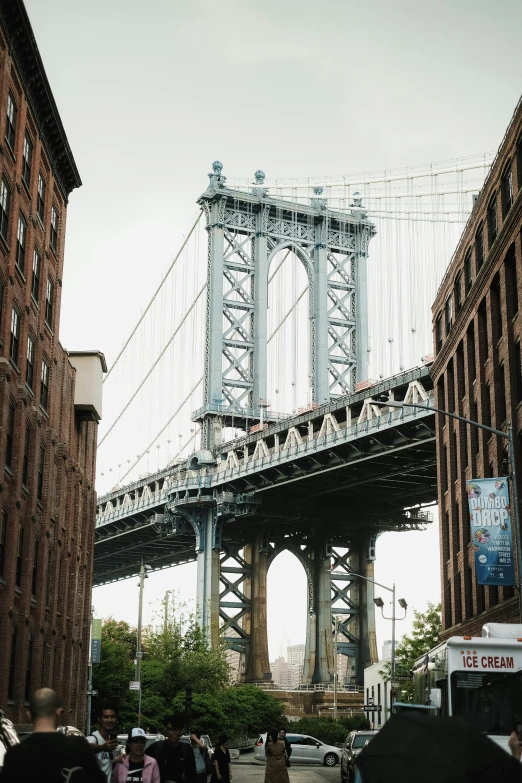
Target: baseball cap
x=137, y=732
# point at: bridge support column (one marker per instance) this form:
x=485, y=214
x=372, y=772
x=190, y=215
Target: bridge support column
x=320, y=322
x=319, y=655
x=361, y=562
x=208, y=581
x=257, y=666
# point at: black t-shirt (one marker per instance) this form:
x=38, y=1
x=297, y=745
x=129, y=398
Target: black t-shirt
x=135, y=774
x=175, y=762
x=42, y=756
x=223, y=760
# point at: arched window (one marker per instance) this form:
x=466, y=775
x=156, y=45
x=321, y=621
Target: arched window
x=492, y=220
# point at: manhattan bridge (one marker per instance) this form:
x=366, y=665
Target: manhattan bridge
x=241, y=414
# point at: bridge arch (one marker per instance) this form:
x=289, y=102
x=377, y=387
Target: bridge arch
x=290, y=306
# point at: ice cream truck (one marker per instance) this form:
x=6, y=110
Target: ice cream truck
x=478, y=678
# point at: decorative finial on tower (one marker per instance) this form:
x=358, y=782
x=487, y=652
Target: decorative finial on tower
x=317, y=201
x=357, y=205
x=259, y=189
x=217, y=180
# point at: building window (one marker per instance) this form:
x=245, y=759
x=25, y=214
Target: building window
x=457, y=292
x=438, y=333
x=448, y=315
x=444, y=466
x=28, y=668
x=507, y=191
x=496, y=307
x=35, y=281
x=29, y=370
x=54, y=228
x=492, y=220
x=486, y=419
x=25, y=463
x=10, y=127
x=44, y=385
x=519, y=160
x=483, y=331
x=35, y=567
x=49, y=296
x=27, y=160
x=502, y=407
x=41, y=467
x=15, y=335
x=20, y=243
x=12, y=665
x=10, y=435
x=4, y=209
x=19, y=557
x=468, y=272
x=518, y=370
x=479, y=247
x=40, y=201
x=3, y=539
x=510, y=265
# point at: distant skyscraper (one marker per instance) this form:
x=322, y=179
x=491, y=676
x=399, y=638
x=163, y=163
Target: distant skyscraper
x=386, y=650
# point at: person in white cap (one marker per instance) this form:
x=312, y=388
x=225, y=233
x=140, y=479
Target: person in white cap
x=135, y=766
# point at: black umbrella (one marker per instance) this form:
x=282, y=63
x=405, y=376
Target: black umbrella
x=412, y=748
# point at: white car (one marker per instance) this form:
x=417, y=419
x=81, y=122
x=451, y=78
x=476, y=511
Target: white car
x=305, y=750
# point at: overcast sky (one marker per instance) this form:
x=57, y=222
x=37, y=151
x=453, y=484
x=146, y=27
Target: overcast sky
x=151, y=93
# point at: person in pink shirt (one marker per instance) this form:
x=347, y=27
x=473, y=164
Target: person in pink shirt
x=135, y=766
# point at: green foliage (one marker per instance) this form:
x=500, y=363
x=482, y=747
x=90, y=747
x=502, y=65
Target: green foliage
x=329, y=730
x=425, y=635
x=173, y=658
x=240, y=711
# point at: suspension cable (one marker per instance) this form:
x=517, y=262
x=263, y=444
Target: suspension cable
x=113, y=365
x=160, y=355
x=162, y=430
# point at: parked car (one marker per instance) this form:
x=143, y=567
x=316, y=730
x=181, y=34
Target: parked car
x=354, y=743
x=8, y=736
x=305, y=750
x=206, y=739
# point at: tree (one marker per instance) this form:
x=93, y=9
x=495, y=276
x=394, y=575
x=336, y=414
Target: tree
x=425, y=635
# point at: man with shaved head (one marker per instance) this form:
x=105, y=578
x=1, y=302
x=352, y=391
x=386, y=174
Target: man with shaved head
x=46, y=753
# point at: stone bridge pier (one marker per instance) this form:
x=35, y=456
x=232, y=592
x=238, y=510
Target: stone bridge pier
x=232, y=593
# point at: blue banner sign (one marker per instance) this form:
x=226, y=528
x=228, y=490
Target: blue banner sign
x=491, y=533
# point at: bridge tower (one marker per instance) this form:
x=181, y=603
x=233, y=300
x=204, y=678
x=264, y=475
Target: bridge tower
x=246, y=229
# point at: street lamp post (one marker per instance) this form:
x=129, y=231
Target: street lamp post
x=508, y=435
x=380, y=603
x=139, y=654
x=336, y=632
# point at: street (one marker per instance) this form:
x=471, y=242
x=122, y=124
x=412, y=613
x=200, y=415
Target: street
x=246, y=770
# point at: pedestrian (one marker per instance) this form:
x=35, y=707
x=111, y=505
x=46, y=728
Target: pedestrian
x=275, y=751
x=288, y=747
x=47, y=755
x=201, y=757
x=104, y=741
x=136, y=766
x=175, y=759
x=221, y=766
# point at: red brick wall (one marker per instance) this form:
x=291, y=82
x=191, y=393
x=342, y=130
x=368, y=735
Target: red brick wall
x=56, y=617
x=489, y=325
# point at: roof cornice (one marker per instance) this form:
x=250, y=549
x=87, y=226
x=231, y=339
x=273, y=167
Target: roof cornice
x=24, y=51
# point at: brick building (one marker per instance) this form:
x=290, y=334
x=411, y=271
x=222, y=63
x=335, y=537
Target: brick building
x=477, y=373
x=49, y=399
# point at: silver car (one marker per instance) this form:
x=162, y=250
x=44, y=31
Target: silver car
x=355, y=742
x=305, y=750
